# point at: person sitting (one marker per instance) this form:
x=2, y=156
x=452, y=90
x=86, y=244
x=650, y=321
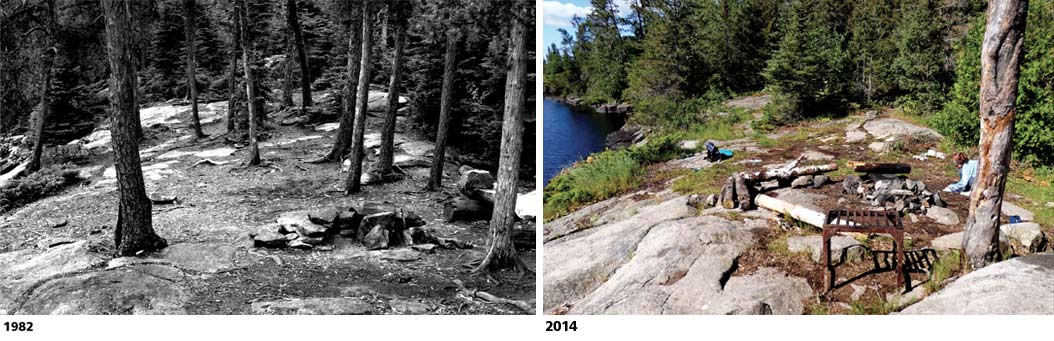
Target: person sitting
x=967, y=174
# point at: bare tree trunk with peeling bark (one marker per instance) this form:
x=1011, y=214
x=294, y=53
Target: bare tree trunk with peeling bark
x=501, y=253
x=250, y=91
x=435, y=177
x=1001, y=53
x=346, y=129
x=384, y=163
x=189, y=14
x=361, y=103
x=134, y=232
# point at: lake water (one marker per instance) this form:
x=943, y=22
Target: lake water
x=571, y=135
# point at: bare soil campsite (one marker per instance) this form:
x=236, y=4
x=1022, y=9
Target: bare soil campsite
x=363, y=177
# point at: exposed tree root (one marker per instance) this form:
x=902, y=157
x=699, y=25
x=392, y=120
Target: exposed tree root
x=488, y=297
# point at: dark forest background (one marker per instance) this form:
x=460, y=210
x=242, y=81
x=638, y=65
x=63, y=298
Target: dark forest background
x=81, y=69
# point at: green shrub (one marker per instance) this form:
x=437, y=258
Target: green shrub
x=658, y=149
x=37, y=185
x=606, y=174
x=600, y=176
x=781, y=110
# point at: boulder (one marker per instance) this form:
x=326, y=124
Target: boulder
x=1010, y=209
x=475, y=179
x=943, y=216
x=820, y=180
x=813, y=245
x=1026, y=238
x=324, y=216
x=376, y=238
x=270, y=239
x=954, y=241
x=853, y=136
x=1020, y=285
x=313, y=306
x=689, y=144
x=802, y=181
x=300, y=245
x=298, y=221
x=347, y=219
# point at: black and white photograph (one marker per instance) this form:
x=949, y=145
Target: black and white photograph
x=237, y=157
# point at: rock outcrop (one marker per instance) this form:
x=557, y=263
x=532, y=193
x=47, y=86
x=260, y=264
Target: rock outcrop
x=1020, y=285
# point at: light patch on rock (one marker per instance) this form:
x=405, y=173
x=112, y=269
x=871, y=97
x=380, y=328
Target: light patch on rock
x=23, y=269
x=313, y=306
x=891, y=129
x=328, y=126
x=289, y=141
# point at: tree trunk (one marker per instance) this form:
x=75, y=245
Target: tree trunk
x=435, y=178
x=361, y=103
x=301, y=53
x=40, y=116
x=134, y=231
x=287, y=75
x=250, y=91
x=1001, y=55
x=347, y=118
x=384, y=164
x=190, y=12
x=232, y=73
x=37, y=132
x=500, y=252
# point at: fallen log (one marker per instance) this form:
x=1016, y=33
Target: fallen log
x=466, y=209
x=522, y=305
x=798, y=212
x=728, y=194
x=483, y=195
x=785, y=173
x=801, y=213
x=878, y=167
x=743, y=193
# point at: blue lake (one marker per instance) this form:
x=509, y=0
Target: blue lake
x=571, y=135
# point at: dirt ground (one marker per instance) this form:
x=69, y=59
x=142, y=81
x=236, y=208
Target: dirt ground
x=221, y=203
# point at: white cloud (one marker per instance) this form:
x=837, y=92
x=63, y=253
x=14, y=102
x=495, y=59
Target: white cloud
x=559, y=14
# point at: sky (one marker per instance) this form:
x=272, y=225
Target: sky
x=557, y=14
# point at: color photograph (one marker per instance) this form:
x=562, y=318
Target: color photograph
x=798, y=157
